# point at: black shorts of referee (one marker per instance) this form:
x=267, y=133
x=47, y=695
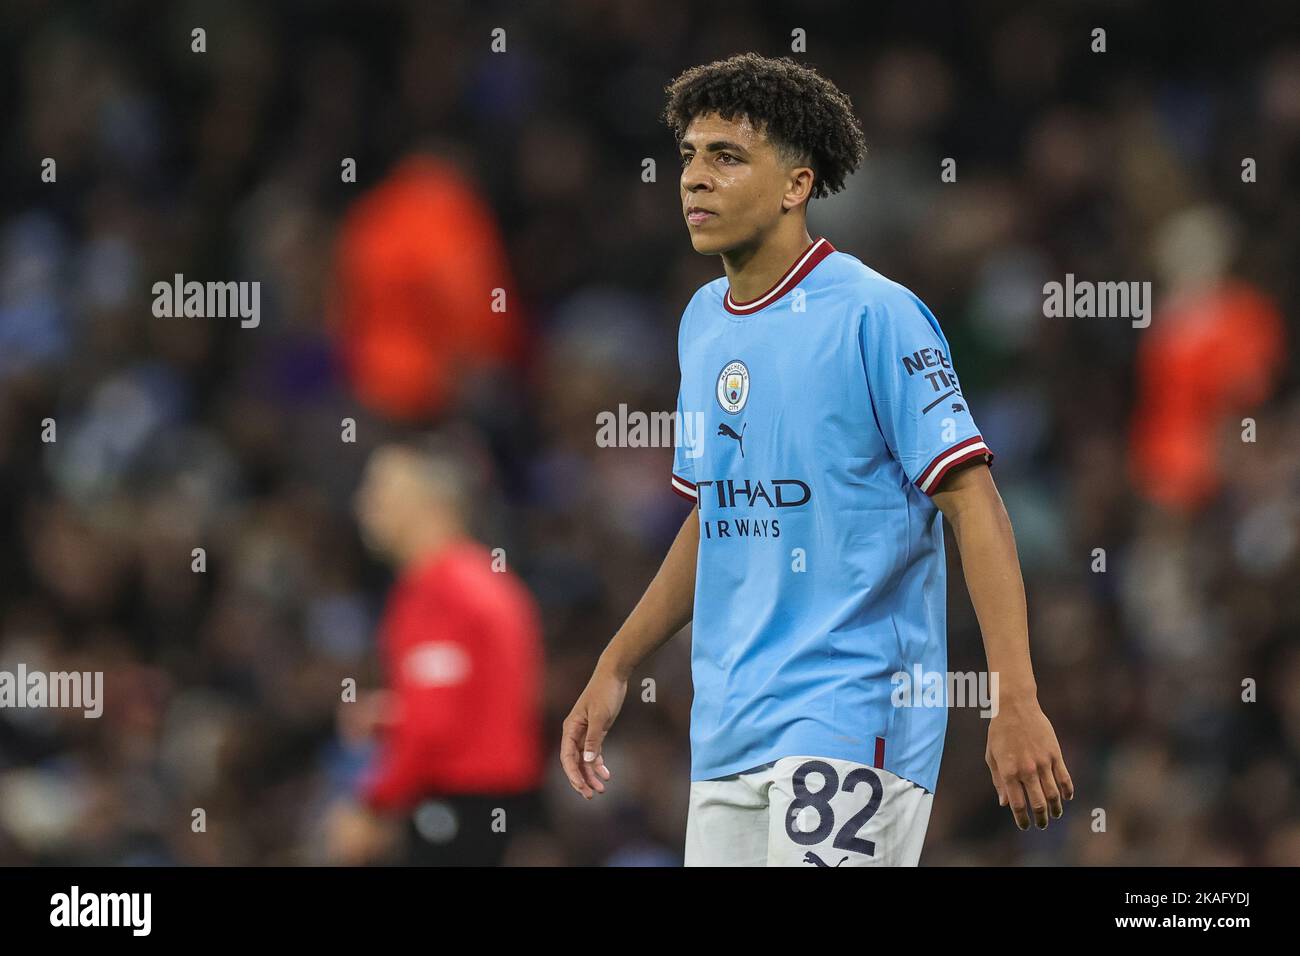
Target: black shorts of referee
x=468, y=829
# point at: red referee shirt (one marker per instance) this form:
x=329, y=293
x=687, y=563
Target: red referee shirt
x=461, y=650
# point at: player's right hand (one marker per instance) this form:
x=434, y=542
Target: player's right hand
x=585, y=729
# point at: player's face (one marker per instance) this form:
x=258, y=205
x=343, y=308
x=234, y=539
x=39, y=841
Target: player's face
x=383, y=502
x=736, y=178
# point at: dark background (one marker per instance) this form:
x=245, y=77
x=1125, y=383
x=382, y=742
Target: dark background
x=222, y=688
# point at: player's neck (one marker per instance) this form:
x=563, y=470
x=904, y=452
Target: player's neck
x=425, y=541
x=752, y=270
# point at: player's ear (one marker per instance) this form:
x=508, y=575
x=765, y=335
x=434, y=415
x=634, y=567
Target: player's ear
x=799, y=189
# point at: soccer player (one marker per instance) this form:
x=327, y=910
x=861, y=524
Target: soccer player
x=812, y=566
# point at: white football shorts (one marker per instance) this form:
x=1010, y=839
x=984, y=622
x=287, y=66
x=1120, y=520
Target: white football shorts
x=807, y=811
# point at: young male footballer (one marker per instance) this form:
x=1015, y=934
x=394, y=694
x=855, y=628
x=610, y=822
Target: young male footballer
x=812, y=567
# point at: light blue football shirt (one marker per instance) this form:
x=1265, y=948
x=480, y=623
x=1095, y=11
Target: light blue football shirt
x=830, y=412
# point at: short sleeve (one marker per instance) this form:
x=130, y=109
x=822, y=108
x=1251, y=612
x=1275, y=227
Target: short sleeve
x=686, y=440
x=683, y=478
x=924, y=417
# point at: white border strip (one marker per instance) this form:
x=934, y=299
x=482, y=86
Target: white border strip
x=936, y=469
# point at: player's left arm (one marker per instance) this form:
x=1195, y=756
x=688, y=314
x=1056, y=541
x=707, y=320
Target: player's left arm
x=1023, y=754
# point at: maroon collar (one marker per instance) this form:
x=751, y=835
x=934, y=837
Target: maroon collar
x=807, y=261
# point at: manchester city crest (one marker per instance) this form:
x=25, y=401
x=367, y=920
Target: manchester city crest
x=733, y=387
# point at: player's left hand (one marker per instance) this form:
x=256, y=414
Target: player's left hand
x=1025, y=759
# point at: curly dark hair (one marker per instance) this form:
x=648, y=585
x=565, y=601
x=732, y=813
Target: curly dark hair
x=805, y=116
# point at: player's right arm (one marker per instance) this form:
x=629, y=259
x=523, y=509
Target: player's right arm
x=663, y=610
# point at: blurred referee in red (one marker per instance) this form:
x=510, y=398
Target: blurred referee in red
x=461, y=650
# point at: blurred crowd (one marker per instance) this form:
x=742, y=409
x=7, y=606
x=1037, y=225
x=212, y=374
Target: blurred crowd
x=1152, y=475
